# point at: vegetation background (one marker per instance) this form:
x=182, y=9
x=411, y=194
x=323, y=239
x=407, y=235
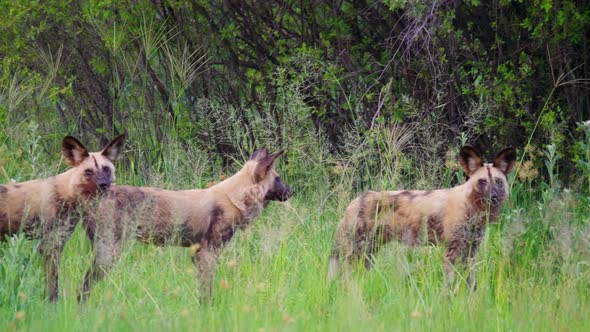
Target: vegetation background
x=361, y=94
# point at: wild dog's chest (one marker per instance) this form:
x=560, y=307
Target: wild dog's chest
x=213, y=226
x=468, y=224
x=226, y=221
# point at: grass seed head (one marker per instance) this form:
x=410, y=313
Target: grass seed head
x=194, y=248
x=288, y=319
x=224, y=284
x=232, y=263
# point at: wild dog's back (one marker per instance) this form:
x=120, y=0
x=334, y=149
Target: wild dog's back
x=154, y=215
x=410, y=217
x=17, y=202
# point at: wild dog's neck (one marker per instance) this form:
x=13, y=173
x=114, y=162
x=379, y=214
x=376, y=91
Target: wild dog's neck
x=245, y=195
x=63, y=183
x=67, y=184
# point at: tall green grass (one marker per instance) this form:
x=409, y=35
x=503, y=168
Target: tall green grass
x=533, y=272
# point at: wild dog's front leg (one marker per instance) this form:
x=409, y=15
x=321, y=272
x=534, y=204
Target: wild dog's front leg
x=469, y=258
x=455, y=249
x=462, y=246
x=471, y=279
x=205, y=259
x=107, y=250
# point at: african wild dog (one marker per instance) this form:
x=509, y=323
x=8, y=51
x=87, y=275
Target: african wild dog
x=45, y=209
x=456, y=216
x=203, y=219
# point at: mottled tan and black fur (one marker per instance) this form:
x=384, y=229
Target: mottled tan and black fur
x=203, y=219
x=45, y=209
x=456, y=217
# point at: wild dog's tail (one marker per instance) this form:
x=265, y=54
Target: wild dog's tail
x=334, y=264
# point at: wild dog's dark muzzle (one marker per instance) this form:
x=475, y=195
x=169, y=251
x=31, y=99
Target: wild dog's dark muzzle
x=103, y=181
x=496, y=196
x=279, y=192
x=288, y=193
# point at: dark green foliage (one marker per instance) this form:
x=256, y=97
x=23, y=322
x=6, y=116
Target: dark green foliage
x=223, y=76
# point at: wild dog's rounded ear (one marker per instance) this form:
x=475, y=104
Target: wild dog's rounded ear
x=505, y=160
x=114, y=148
x=258, y=154
x=470, y=160
x=265, y=165
x=73, y=151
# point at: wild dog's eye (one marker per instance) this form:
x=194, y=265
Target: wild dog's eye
x=499, y=182
x=482, y=182
x=106, y=169
x=88, y=172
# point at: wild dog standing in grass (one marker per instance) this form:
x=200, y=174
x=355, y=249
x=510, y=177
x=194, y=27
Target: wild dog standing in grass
x=45, y=209
x=203, y=219
x=456, y=217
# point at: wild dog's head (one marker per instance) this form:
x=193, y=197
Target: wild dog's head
x=267, y=177
x=93, y=172
x=488, y=183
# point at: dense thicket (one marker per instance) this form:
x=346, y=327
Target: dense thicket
x=227, y=75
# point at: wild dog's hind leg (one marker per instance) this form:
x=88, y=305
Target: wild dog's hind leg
x=205, y=259
x=455, y=249
x=377, y=238
x=343, y=247
x=469, y=257
x=462, y=246
x=351, y=244
x=357, y=239
x=51, y=253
